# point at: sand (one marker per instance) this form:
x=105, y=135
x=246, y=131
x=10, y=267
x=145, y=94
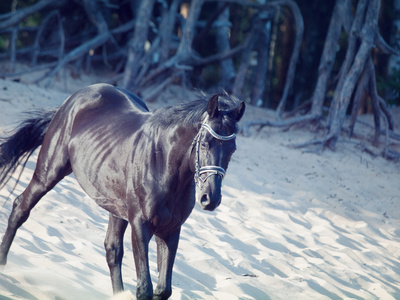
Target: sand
x=292, y=225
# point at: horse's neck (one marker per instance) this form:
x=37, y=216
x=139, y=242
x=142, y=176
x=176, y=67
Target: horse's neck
x=182, y=149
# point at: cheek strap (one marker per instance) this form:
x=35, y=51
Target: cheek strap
x=208, y=170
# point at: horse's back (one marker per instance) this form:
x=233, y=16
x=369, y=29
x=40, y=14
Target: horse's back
x=108, y=98
x=134, y=98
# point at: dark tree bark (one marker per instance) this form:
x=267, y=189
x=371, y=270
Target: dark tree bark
x=166, y=31
x=245, y=59
x=15, y=17
x=263, y=46
x=228, y=71
x=356, y=72
x=137, y=43
x=42, y=29
x=185, y=50
x=295, y=53
x=394, y=60
x=327, y=59
x=103, y=34
x=351, y=72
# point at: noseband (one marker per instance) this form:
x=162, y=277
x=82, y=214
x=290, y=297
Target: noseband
x=208, y=170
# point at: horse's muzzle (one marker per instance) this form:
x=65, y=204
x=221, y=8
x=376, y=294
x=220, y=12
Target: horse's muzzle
x=207, y=204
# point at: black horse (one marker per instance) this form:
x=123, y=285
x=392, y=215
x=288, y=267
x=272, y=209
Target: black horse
x=144, y=168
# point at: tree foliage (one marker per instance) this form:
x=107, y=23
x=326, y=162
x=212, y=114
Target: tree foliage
x=262, y=51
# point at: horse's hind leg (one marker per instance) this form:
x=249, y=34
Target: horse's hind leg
x=48, y=173
x=18, y=216
x=115, y=250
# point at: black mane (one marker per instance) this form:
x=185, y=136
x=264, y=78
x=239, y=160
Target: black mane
x=190, y=113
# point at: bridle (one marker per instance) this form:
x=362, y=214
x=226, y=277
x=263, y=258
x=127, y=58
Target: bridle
x=208, y=170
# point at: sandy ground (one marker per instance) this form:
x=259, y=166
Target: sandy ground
x=292, y=225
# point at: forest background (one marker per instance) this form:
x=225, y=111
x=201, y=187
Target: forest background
x=316, y=63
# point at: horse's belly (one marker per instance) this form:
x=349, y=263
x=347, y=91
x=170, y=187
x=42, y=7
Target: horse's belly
x=101, y=175
x=117, y=208
x=105, y=198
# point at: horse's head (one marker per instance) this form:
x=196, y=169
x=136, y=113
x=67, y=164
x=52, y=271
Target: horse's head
x=215, y=144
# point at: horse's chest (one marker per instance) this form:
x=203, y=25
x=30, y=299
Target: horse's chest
x=167, y=217
x=165, y=209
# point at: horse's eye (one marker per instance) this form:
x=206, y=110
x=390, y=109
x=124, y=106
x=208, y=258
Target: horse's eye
x=203, y=145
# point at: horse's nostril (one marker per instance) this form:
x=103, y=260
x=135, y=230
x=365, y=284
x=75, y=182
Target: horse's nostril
x=207, y=204
x=205, y=200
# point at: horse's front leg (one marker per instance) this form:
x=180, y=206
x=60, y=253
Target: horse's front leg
x=115, y=250
x=167, y=246
x=141, y=235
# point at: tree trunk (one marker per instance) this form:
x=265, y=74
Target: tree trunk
x=394, y=60
x=228, y=71
x=185, y=52
x=103, y=34
x=327, y=60
x=295, y=54
x=262, y=65
x=245, y=59
x=351, y=49
x=359, y=95
x=166, y=30
x=137, y=43
x=341, y=103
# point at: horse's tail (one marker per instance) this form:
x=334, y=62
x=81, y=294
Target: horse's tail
x=18, y=147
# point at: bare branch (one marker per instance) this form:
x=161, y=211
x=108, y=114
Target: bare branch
x=185, y=51
x=218, y=57
x=18, y=15
x=36, y=43
x=327, y=60
x=281, y=123
x=361, y=88
x=137, y=42
x=383, y=46
x=295, y=54
x=343, y=93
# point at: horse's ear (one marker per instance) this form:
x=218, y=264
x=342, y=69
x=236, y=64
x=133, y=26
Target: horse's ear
x=240, y=111
x=212, y=107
